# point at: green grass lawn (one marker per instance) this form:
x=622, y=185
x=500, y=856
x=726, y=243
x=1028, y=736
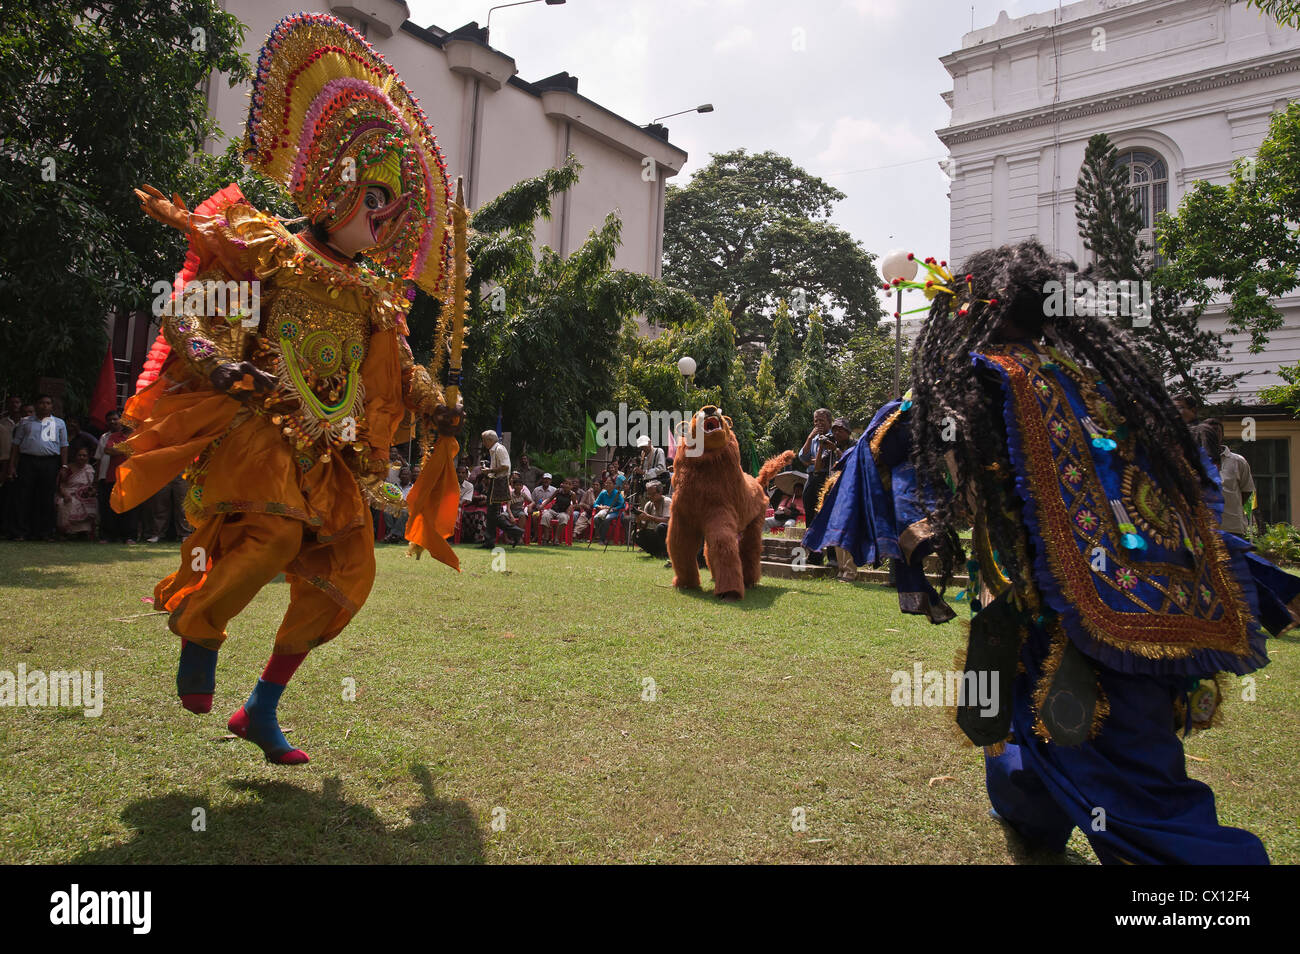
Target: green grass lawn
x=518, y=696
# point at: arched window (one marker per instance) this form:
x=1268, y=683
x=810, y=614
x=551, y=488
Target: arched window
x=1148, y=177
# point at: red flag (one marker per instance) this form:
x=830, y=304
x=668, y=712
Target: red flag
x=105, y=397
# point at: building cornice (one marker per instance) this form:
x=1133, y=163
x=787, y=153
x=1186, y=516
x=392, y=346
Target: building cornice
x=610, y=128
x=1188, y=84
x=991, y=43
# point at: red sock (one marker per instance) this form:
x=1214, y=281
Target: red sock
x=281, y=667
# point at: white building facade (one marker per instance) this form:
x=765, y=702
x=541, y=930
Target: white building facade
x=1183, y=88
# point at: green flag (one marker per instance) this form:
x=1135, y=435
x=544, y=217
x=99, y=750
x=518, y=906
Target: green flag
x=590, y=444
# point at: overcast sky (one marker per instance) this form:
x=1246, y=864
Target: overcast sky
x=858, y=105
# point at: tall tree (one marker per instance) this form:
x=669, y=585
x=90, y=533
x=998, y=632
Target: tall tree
x=1109, y=220
x=783, y=346
x=810, y=385
x=862, y=377
x=545, y=330
x=1239, y=240
x=1169, y=336
x=755, y=228
x=96, y=97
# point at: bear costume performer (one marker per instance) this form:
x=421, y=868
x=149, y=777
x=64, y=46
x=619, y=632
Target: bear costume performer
x=717, y=504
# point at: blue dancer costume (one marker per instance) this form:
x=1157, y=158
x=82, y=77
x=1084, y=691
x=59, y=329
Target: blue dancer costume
x=1126, y=602
x=872, y=508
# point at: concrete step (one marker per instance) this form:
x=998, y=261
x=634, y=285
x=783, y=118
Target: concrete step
x=784, y=571
x=778, y=550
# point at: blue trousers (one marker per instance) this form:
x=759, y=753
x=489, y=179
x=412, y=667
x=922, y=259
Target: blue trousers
x=1127, y=789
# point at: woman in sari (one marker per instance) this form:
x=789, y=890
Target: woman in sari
x=76, y=498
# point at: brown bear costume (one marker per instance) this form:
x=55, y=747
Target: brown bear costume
x=716, y=503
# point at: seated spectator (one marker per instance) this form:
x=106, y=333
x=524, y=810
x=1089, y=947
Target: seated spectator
x=473, y=514
x=555, y=516
x=652, y=521
x=583, y=501
x=466, y=485
x=76, y=502
x=786, y=509
x=542, y=493
x=608, y=509
x=397, y=525
x=520, y=500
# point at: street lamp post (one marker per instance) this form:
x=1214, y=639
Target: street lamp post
x=520, y=3
x=896, y=267
x=703, y=108
x=686, y=366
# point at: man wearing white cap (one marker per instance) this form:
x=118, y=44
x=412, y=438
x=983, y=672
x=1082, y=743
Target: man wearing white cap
x=652, y=462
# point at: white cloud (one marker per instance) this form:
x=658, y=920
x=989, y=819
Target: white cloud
x=856, y=143
x=738, y=37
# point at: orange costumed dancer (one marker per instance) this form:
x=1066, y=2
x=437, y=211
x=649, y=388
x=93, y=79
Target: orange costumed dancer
x=282, y=415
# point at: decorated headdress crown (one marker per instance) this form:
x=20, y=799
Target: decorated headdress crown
x=328, y=114
x=940, y=282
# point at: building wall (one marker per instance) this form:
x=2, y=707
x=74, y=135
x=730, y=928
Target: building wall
x=522, y=128
x=1194, y=81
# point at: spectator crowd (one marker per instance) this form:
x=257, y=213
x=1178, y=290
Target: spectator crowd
x=57, y=477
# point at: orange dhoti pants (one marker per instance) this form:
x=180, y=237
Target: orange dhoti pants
x=328, y=581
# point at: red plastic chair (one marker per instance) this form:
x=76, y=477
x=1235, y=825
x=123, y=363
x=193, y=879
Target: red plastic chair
x=526, y=527
x=615, y=537
x=460, y=517
x=542, y=529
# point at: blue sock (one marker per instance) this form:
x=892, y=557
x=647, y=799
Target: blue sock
x=263, y=726
x=196, y=675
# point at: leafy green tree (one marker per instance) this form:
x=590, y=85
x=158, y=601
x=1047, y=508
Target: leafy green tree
x=1171, y=339
x=862, y=377
x=755, y=228
x=545, y=332
x=809, y=389
x=1239, y=240
x=763, y=398
x=96, y=97
x=783, y=346
x=1285, y=12
x=1285, y=395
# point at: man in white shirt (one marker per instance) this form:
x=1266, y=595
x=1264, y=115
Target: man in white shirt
x=39, y=455
x=498, y=468
x=466, y=485
x=542, y=493
x=1238, y=484
x=653, y=465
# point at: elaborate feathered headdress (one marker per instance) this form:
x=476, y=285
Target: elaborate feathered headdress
x=328, y=117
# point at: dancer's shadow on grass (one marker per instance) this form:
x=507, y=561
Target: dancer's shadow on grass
x=291, y=823
x=1022, y=853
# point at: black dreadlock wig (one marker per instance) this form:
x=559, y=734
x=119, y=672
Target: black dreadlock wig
x=1005, y=301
